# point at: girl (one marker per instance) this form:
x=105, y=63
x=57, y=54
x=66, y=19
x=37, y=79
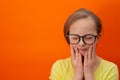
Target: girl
x=82, y=31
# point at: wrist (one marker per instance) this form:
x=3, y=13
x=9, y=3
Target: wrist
x=77, y=76
x=89, y=76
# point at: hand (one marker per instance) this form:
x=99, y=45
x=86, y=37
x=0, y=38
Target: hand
x=77, y=64
x=86, y=69
x=90, y=63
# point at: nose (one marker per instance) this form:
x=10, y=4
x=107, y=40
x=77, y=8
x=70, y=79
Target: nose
x=81, y=43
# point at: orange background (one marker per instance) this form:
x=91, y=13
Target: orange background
x=31, y=35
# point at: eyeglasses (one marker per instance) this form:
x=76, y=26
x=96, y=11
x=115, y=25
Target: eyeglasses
x=87, y=39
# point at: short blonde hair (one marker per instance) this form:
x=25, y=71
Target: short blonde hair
x=80, y=14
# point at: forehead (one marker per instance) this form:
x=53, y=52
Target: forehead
x=83, y=26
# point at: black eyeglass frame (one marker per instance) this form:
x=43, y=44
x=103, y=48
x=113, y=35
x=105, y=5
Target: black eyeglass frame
x=95, y=36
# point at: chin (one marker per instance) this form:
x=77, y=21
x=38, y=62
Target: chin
x=82, y=52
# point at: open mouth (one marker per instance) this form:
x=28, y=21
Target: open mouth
x=82, y=51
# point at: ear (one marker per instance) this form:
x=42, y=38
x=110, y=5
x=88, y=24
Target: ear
x=99, y=35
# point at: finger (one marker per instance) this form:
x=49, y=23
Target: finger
x=72, y=53
x=79, y=57
x=93, y=51
x=90, y=52
x=86, y=57
x=76, y=56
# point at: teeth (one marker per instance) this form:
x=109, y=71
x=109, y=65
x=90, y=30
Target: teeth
x=82, y=50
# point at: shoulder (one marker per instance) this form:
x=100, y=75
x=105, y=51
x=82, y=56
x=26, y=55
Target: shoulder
x=62, y=62
x=106, y=63
x=59, y=69
x=109, y=69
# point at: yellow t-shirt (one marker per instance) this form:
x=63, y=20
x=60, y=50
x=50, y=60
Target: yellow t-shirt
x=63, y=70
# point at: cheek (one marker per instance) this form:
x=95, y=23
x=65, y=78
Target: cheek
x=74, y=46
x=87, y=46
x=77, y=46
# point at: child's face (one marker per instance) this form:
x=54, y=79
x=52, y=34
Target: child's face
x=82, y=27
